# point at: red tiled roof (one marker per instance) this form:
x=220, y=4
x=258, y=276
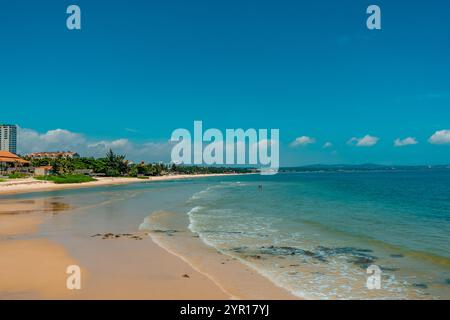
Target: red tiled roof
x=6, y=156
x=52, y=154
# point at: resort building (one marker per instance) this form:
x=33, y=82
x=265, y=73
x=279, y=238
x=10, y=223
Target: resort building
x=9, y=163
x=53, y=155
x=43, y=171
x=8, y=138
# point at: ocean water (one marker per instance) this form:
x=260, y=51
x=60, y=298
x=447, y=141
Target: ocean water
x=317, y=233
x=314, y=234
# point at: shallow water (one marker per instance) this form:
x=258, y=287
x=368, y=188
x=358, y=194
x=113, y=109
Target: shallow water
x=317, y=233
x=314, y=234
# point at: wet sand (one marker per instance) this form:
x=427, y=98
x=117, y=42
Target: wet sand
x=170, y=231
x=125, y=266
x=33, y=267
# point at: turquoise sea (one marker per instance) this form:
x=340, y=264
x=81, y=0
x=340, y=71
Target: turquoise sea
x=314, y=234
x=317, y=233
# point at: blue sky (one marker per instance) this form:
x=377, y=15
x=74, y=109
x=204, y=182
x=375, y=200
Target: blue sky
x=140, y=69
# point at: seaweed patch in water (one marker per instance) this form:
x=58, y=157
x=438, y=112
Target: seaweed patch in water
x=357, y=256
x=56, y=206
x=343, y=250
x=167, y=232
x=386, y=268
x=420, y=285
x=239, y=249
x=291, y=251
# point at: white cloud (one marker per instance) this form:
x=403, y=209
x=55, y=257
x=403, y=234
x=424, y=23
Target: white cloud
x=366, y=141
x=119, y=143
x=440, y=137
x=29, y=140
x=405, y=142
x=327, y=145
x=302, y=141
x=53, y=140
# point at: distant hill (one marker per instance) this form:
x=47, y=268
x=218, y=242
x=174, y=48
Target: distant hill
x=358, y=167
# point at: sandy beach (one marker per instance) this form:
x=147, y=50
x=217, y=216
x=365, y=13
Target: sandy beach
x=32, y=185
x=132, y=265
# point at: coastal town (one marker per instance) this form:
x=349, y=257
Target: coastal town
x=69, y=167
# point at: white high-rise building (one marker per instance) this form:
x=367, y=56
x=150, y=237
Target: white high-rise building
x=8, y=138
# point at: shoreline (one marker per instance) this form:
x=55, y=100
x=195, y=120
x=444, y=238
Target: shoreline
x=34, y=264
x=113, y=267
x=237, y=279
x=30, y=185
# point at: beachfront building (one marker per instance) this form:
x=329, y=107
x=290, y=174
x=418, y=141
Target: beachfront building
x=9, y=163
x=8, y=138
x=43, y=171
x=53, y=155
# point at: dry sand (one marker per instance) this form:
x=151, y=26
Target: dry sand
x=32, y=185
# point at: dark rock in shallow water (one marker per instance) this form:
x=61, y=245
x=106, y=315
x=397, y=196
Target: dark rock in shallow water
x=361, y=260
x=319, y=258
x=386, y=268
x=420, y=285
x=357, y=256
x=447, y=281
x=239, y=249
x=342, y=250
x=309, y=253
x=395, y=255
x=290, y=251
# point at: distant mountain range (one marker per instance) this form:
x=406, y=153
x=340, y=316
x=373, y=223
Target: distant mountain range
x=360, y=167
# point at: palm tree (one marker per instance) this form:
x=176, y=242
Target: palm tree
x=115, y=164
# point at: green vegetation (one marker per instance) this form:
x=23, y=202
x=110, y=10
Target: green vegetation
x=2, y=180
x=17, y=175
x=114, y=165
x=60, y=179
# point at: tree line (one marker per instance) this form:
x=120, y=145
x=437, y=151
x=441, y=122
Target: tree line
x=115, y=165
